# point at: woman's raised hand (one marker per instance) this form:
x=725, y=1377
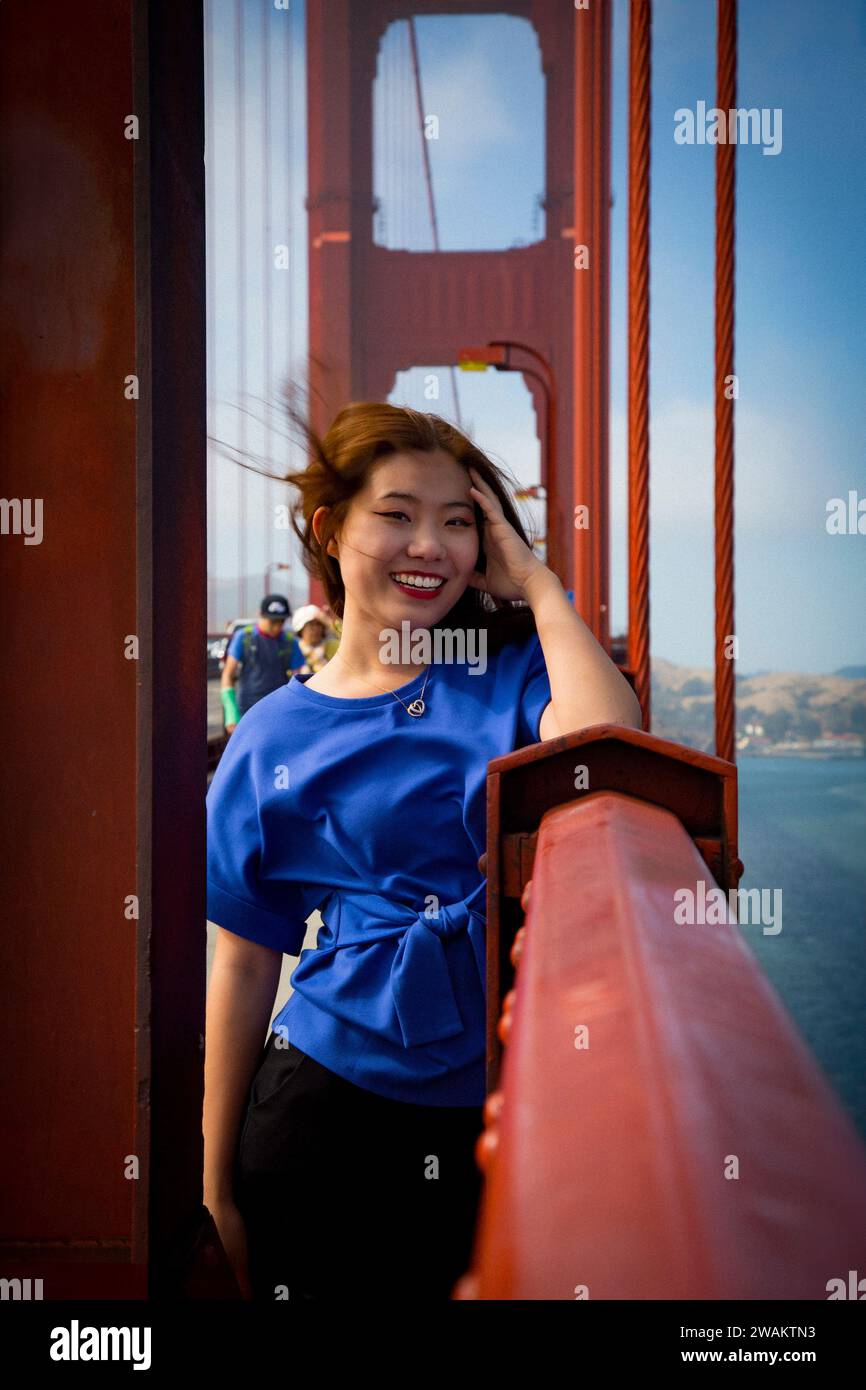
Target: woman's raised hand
x=510, y=561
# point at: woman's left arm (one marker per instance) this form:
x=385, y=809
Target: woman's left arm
x=585, y=685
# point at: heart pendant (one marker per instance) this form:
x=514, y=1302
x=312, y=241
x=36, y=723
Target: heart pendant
x=416, y=708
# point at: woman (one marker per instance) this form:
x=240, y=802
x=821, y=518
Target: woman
x=341, y=1157
x=311, y=629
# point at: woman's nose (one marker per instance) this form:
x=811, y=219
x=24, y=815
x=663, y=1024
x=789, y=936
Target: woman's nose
x=427, y=542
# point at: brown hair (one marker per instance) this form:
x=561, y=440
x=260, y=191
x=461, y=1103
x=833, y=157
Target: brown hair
x=361, y=433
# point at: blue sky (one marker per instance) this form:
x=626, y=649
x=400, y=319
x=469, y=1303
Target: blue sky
x=801, y=294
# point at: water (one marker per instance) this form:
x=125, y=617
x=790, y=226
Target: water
x=803, y=829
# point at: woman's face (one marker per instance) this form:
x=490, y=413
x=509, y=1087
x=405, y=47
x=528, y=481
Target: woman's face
x=428, y=535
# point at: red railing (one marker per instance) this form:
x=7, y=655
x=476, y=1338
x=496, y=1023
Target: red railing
x=660, y=1130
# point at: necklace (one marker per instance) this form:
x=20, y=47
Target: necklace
x=416, y=708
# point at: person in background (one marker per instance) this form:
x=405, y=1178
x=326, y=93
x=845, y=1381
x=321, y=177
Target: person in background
x=261, y=657
x=317, y=642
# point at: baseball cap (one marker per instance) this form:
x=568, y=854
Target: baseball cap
x=275, y=606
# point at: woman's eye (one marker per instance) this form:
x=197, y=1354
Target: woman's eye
x=461, y=521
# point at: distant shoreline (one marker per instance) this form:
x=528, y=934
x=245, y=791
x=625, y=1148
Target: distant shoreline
x=779, y=714
x=837, y=754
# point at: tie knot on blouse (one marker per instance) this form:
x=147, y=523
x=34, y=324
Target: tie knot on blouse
x=445, y=921
x=419, y=979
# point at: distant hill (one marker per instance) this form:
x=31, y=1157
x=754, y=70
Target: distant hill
x=852, y=673
x=783, y=705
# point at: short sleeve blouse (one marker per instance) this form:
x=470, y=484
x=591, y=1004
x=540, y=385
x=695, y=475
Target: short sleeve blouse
x=378, y=819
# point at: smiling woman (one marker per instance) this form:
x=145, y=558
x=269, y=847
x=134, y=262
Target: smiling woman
x=360, y=791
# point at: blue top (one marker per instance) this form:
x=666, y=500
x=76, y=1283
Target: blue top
x=378, y=819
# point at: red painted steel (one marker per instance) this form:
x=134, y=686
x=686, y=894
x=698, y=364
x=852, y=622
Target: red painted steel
x=103, y=280
x=67, y=437
x=726, y=100
x=640, y=63
x=375, y=311
x=608, y=1165
x=699, y=789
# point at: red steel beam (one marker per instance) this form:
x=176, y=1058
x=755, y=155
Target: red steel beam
x=97, y=804
x=68, y=814
x=609, y=1164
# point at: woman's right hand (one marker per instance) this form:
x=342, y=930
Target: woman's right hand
x=233, y=1237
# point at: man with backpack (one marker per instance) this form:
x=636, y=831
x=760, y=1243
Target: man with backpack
x=260, y=658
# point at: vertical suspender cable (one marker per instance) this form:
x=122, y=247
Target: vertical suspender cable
x=213, y=464
x=425, y=154
x=726, y=100
x=640, y=58
x=287, y=220
x=267, y=282
x=399, y=209
x=387, y=166
x=240, y=222
x=406, y=163
x=428, y=179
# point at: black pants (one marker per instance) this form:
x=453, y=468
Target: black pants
x=346, y=1194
